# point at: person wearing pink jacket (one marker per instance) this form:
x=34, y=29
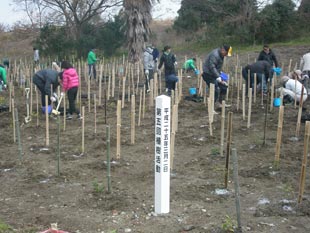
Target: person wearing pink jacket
x=70, y=84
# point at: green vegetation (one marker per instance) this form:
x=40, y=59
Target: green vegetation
x=4, y=227
x=98, y=188
x=229, y=224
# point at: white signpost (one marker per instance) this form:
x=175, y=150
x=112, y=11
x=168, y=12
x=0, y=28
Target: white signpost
x=162, y=154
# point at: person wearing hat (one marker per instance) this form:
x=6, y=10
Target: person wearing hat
x=148, y=64
x=47, y=81
x=212, y=72
x=261, y=69
x=169, y=61
x=292, y=89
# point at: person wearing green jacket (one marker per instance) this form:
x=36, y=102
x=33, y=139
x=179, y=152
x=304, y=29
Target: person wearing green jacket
x=189, y=65
x=91, y=60
x=3, y=76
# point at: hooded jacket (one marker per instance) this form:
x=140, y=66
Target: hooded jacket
x=70, y=79
x=269, y=57
x=148, y=61
x=45, y=78
x=213, y=64
x=189, y=64
x=168, y=59
x=91, y=57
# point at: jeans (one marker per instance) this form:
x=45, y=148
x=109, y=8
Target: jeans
x=92, y=70
x=72, y=94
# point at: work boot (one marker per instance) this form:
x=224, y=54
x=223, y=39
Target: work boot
x=69, y=116
x=79, y=117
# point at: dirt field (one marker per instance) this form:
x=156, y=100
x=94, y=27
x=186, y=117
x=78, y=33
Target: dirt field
x=32, y=196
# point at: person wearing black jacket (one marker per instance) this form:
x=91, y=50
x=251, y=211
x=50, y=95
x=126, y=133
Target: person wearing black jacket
x=268, y=55
x=169, y=61
x=47, y=81
x=262, y=69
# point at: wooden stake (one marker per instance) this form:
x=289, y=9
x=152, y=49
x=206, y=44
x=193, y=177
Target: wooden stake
x=65, y=110
x=140, y=108
x=279, y=135
x=133, y=119
x=243, y=101
x=210, y=115
x=118, y=129
x=108, y=158
x=13, y=119
x=222, y=128
x=123, y=92
x=255, y=84
x=228, y=147
x=95, y=113
x=302, y=179
x=237, y=192
x=250, y=109
x=20, y=150
x=299, y=112
x=143, y=104
x=47, y=137
x=83, y=129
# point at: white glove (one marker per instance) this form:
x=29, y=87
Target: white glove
x=219, y=79
x=175, y=63
x=53, y=99
x=61, y=94
x=4, y=86
x=146, y=72
x=225, y=83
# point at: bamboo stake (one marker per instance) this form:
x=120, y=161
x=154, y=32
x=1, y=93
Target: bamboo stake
x=243, y=101
x=255, y=84
x=237, y=192
x=65, y=110
x=95, y=113
x=133, y=117
x=123, y=92
x=47, y=139
x=222, y=128
x=10, y=96
x=118, y=129
x=212, y=90
x=272, y=95
x=295, y=104
x=265, y=128
x=108, y=158
x=299, y=112
x=88, y=93
x=173, y=132
x=100, y=85
x=13, y=119
x=20, y=150
x=83, y=129
x=37, y=104
x=279, y=136
x=128, y=95
x=250, y=109
x=151, y=99
x=302, y=178
x=228, y=146
x=140, y=108
x=210, y=115
x=58, y=145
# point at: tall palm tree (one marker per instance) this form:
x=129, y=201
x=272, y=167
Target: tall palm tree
x=138, y=18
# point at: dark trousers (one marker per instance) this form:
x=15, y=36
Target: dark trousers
x=72, y=94
x=245, y=77
x=148, y=79
x=209, y=80
x=92, y=70
x=171, y=80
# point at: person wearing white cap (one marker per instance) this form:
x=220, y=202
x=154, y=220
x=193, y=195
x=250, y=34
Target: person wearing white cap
x=292, y=89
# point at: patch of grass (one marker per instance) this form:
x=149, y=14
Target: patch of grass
x=215, y=151
x=4, y=227
x=98, y=188
x=229, y=224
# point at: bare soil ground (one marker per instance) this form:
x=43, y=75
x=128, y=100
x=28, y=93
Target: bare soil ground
x=32, y=195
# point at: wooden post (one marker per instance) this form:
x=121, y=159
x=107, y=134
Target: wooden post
x=173, y=132
x=88, y=93
x=123, y=92
x=58, y=145
x=237, y=192
x=108, y=158
x=255, y=84
x=13, y=118
x=243, y=101
x=143, y=104
x=37, y=104
x=83, y=129
x=299, y=112
x=47, y=137
x=228, y=147
x=302, y=178
x=140, y=108
x=222, y=128
x=250, y=109
x=20, y=150
x=65, y=110
x=210, y=115
x=118, y=129
x=272, y=95
x=95, y=113
x=133, y=119
x=279, y=136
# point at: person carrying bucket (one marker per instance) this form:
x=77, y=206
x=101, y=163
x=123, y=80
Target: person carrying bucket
x=212, y=72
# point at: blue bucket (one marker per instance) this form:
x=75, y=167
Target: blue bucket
x=277, y=102
x=192, y=91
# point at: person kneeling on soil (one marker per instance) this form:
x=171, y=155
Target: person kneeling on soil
x=189, y=66
x=70, y=84
x=292, y=89
x=47, y=82
x=2, y=77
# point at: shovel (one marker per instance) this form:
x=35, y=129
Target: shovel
x=55, y=111
x=27, y=118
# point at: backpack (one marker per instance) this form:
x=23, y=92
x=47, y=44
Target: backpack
x=169, y=61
